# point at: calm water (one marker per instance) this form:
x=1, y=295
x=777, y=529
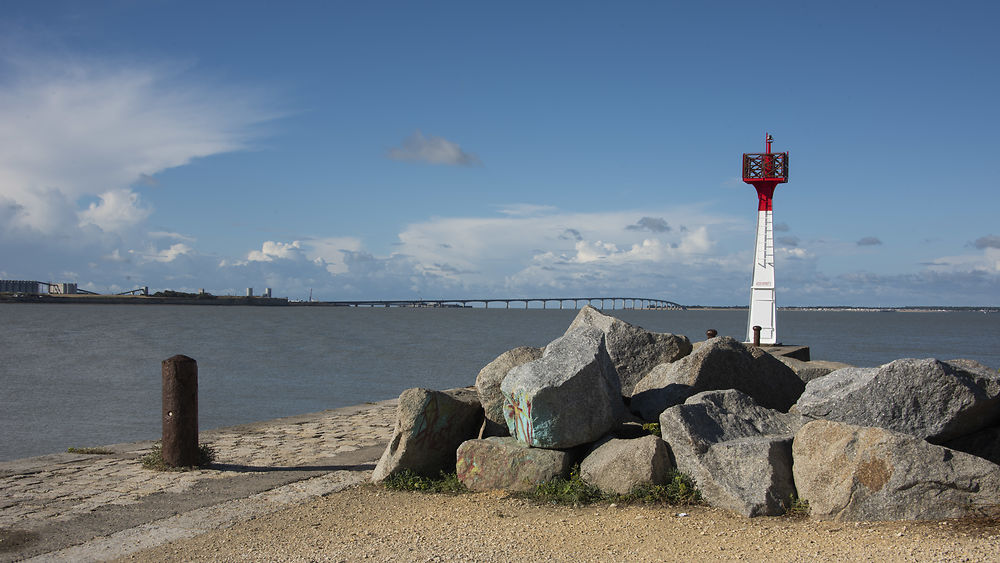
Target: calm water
x=86, y=375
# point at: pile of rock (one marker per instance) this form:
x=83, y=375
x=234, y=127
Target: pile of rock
x=911, y=439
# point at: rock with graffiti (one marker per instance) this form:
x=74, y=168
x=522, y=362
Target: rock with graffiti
x=569, y=397
x=488, y=385
x=430, y=425
x=505, y=463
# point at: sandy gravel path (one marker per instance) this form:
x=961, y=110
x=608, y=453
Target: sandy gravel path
x=371, y=523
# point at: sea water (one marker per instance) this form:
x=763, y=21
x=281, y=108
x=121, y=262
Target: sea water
x=75, y=375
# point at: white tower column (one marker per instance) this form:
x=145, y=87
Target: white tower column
x=762, y=306
x=765, y=171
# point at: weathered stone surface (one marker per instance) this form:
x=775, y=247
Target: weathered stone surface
x=634, y=350
x=807, y=371
x=568, y=397
x=719, y=363
x=505, y=463
x=711, y=417
x=489, y=378
x=738, y=452
x=930, y=399
x=617, y=466
x=984, y=444
x=430, y=425
x=849, y=472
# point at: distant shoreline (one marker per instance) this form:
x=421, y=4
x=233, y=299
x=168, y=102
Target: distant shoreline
x=144, y=300
x=215, y=300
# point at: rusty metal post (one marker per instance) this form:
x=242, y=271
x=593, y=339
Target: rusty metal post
x=756, y=335
x=180, y=411
x=711, y=333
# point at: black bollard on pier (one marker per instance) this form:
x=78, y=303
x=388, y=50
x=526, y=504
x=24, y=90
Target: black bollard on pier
x=180, y=412
x=756, y=335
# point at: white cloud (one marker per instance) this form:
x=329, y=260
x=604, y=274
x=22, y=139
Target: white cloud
x=594, y=251
x=170, y=254
x=433, y=150
x=526, y=209
x=115, y=256
x=170, y=235
x=794, y=253
x=986, y=262
x=117, y=211
x=85, y=128
x=332, y=252
x=329, y=253
x=271, y=250
x=561, y=249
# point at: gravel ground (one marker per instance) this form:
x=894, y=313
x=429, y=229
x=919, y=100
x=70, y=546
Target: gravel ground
x=371, y=523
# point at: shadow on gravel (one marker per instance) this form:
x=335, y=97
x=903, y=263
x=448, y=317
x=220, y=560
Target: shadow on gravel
x=237, y=468
x=11, y=540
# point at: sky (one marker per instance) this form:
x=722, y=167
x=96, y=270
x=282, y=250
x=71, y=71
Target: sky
x=444, y=150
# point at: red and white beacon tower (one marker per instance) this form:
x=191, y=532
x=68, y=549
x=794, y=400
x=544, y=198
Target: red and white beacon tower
x=765, y=171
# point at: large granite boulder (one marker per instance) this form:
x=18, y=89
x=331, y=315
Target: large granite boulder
x=719, y=363
x=618, y=466
x=934, y=400
x=489, y=378
x=504, y=463
x=568, y=397
x=738, y=452
x=430, y=425
x=808, y=371
x=849, y=472
x=634, y=350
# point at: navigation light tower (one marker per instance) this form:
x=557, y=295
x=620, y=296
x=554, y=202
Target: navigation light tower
x=765, y=171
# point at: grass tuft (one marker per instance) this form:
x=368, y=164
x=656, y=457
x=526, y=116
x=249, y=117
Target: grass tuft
x=679, y=490
x=407, y=480
x=653, y=428
x=571, y=490
x=154, y=459
x=797, y=507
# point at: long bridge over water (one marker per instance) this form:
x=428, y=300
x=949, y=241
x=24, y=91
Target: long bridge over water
x=598, y=302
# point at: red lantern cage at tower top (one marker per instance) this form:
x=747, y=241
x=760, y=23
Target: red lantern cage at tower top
x=765, y=171
x=765, y=167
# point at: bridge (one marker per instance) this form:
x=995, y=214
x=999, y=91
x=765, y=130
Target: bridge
x=626, y=302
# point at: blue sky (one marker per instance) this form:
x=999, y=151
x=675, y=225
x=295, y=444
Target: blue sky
x=516, y=149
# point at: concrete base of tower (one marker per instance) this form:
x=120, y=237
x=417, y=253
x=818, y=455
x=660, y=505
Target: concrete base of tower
x=787, y=350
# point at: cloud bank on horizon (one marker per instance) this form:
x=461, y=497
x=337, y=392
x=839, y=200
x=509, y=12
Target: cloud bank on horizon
x=118, y=172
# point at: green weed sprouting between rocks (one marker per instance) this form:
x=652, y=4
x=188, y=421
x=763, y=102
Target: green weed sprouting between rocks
x=572, y=490
x=407, y=480
x=653, y=428
x=154, y=459
x=89, y=451
x=679, y=489
x=797, y=507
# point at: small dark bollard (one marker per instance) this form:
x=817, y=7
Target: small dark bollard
x=180, y=412
x=756, y=335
